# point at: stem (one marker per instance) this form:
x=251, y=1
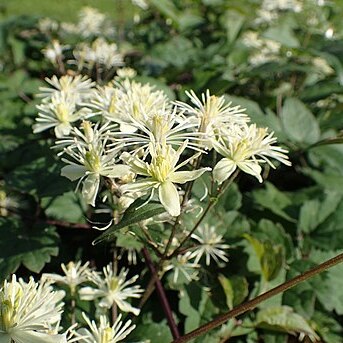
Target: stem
x=211, y=203
x=250, y=305
x=162, y=295
x=150, y=240
x=73, y=307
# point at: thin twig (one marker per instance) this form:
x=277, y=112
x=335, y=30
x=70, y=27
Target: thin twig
x=211, y=203
x=162, y=295
x=250, y=305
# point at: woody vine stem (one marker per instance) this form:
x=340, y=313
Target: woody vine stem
x=251, y=304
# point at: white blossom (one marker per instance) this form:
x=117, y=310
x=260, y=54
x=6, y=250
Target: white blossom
x=27, y=310
x=112, y=289
x=245, y=149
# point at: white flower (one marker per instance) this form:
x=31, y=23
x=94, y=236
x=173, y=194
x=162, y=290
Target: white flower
x=91, y=159
x=213, y=114
x=104, y=333
x=211, y=244
x=161, y=174
x=74, y=275
x=99, y=53
x=58, y=113
x=78, y=87
x=112, y=289
x=141, y=3
x=181, y=265
x=282, y=5
x=265, y=50
x=105, y=101
x=47, y=25
x=245, y=149
x=126, y=73
x=54, y=51
x=91, y=22
x=27, y=310
x=160, y=128
x=138, y=102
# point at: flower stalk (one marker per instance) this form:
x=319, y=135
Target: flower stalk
x=162, y=295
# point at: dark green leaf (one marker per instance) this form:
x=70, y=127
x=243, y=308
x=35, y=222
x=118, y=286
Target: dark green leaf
x=32, y=247
x=134, y=214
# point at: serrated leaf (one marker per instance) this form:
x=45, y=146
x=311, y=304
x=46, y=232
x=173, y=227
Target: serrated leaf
x=32, y=247
x=274, y=200
x=284, y=319
x=314, y=212
x=134, y=214
x=299, y=124
x=68, y=207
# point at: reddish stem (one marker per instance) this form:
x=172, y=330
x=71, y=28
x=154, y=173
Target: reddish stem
x=162, y=295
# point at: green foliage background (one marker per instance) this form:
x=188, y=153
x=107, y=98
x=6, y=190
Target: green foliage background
x=276, y=230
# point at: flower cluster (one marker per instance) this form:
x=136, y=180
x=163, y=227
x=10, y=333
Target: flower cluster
x=31, y=312
x=145, y=143
x=28, y=310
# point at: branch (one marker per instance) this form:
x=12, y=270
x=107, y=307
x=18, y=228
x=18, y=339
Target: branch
x=162, y=295
x=250, y=305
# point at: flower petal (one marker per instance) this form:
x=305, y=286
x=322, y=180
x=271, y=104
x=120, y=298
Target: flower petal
x=252, y=168
x=90, y=188
x=73, y=172
x=185, y=176
x=62, y=130
x=126, y=307
x=26, y=336
x=169, y=198
x=118, y=170
x=139, y=186
x=223, y=169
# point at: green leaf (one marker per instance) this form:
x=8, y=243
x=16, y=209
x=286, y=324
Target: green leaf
x=274, y=232
x=282, y=318
x=228, y=290
x=32, y=247
x=233, y=22
x=328, y=328
x=314, y=212
x=298, y=122
x=283, y=34
x=68, y=207
x=270, y=256
x=151, y=331
x=330, y=289
x=236, y=289
x=274, y=200
x=196, y=305
x=39, y=177
x=134, y=214
x=322, y=235
x=167, y=8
